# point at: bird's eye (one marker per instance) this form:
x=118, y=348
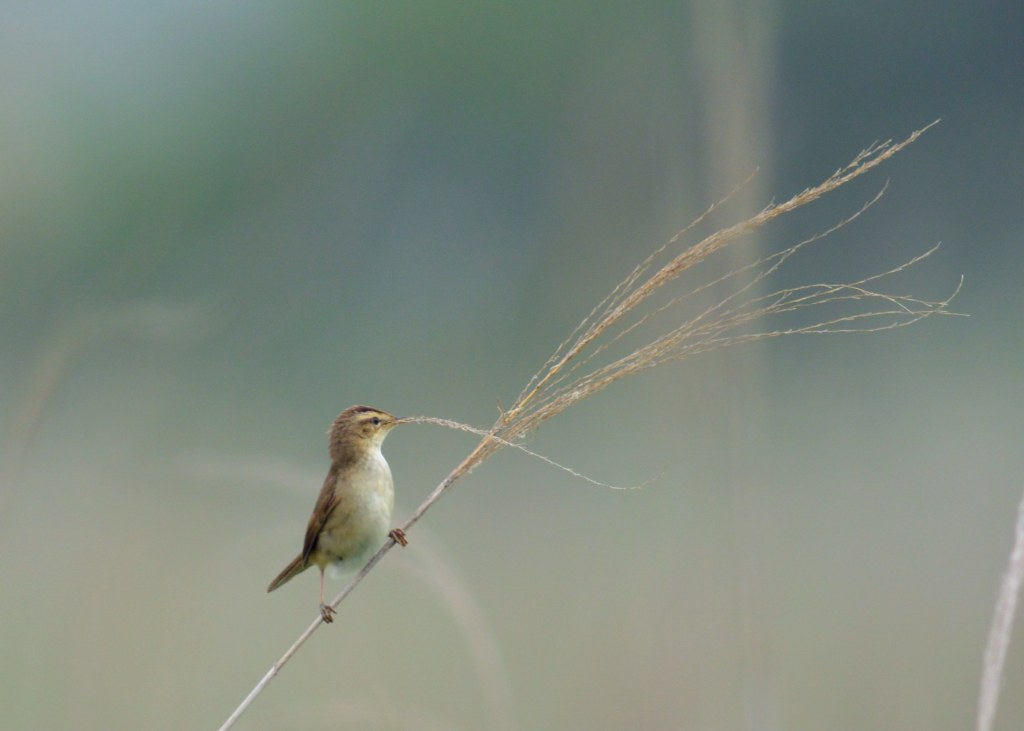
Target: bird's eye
x=375, y=420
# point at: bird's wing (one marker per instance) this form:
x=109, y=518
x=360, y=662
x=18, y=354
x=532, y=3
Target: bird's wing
x=325, y=504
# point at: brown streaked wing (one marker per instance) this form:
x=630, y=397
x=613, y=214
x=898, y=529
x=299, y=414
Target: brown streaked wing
x=325, y=503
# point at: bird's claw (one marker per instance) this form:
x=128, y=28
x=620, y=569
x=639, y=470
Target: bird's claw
x=398, y=536
x=327, y=612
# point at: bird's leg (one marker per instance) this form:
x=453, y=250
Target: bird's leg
x=398, y=536
x=326, y=610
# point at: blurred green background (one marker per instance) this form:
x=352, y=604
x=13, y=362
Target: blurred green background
x=222, y=224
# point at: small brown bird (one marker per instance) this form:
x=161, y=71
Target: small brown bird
x=353, y=512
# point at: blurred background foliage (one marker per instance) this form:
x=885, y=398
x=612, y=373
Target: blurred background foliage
x=222, y=224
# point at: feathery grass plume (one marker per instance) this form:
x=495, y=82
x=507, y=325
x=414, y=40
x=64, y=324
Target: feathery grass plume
x=557, y=386
x=565, y=378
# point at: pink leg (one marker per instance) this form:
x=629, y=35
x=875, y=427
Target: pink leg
x=326, y=610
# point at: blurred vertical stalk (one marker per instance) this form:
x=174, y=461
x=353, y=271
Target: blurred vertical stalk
x=734, y=45
x=1002, y=628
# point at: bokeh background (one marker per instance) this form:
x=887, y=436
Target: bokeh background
x=222, y=224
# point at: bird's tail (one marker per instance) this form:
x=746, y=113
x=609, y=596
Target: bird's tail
x=296, y=567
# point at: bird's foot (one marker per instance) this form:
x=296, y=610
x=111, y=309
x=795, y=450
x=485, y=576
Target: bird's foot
x=327, y=612
x=398, y=536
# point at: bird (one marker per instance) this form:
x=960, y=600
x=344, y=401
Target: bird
x=352, y=515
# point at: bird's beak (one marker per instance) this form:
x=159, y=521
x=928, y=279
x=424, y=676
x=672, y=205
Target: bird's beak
x=401, y=420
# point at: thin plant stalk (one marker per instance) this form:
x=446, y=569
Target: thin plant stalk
x=1002, y=626
x=564, y=379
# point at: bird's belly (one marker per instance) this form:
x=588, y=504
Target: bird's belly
x=360, y=523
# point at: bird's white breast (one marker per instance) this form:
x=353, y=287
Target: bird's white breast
x=370, y=499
